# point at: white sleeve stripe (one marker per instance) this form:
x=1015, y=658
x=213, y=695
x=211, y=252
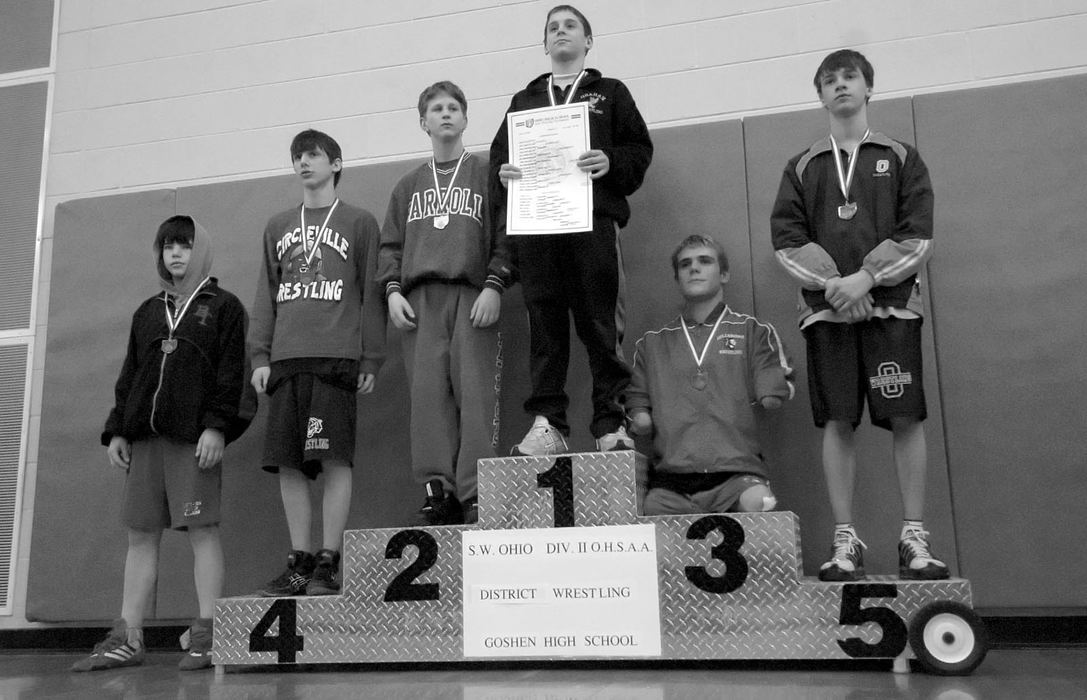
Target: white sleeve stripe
x=907, y=261
x=797, y=270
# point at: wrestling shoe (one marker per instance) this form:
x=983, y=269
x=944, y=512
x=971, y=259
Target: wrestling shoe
x=112, y=652
x=846, y=559
x=619, y=440
x=323, y=581
x=915, y=560
x=471, y=511
x=542, y=440
x=292, y=581
x=439, y=508
x=198, y=644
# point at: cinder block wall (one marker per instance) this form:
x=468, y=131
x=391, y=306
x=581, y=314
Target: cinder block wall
x=153, y=93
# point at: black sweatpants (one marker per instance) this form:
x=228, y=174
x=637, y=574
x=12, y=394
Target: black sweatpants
x=578, y=275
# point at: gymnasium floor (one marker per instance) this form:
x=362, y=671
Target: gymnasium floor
x=1050, y=674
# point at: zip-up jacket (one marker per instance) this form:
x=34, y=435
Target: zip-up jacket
x=615, y=127
x=890, y=236
x=200, y=384
x=467, y=249
x=713, y=429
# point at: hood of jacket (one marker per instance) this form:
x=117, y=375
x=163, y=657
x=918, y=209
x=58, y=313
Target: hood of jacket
x=199, y=265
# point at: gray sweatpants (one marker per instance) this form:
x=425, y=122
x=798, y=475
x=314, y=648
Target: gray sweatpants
x=455, y=376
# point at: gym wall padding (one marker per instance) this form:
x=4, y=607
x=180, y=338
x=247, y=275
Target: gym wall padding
x=1009, y=286
x=1002, y=334
x=73, y=468
x=794, y=443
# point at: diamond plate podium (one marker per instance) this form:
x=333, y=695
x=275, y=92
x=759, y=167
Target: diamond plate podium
x=727, y=586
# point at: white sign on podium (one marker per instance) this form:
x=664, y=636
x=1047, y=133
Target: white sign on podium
x=565, y=592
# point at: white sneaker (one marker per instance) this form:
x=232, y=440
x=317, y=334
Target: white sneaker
x=542, y=440
x=619, y=440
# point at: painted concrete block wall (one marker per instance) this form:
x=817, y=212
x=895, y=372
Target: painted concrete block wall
x=155, y=93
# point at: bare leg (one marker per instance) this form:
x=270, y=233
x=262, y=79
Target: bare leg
x=141, y=569
x=840, y=468
x=294, y=488
x=337, y=503
x=911, y=463
x=207, y=552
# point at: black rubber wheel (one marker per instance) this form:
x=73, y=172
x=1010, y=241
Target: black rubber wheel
x=948, y=638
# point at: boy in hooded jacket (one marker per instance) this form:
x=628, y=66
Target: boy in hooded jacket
x=179, y=401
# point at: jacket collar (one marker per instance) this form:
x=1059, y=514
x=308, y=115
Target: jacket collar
x=539, y=83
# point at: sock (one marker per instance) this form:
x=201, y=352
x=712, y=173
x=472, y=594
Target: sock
x=908, y=525
x=845, y=527
x=135, y=637
x=540, y=420
x=769, y=503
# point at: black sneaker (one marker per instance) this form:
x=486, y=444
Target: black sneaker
x=292, y=581
x=847, y=558
x=915, y=559
x=440, y=508
x=324, y=580
x=471, y=511
x=199, y=646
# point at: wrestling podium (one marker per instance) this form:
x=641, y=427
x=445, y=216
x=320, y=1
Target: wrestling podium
x=561, y=567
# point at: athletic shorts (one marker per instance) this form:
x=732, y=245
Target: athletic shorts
x=879, y=359
x=166, y=489
x=309, y=421
x=723, y=498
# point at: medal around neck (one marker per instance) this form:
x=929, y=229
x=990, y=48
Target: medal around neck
x=698, y=381
x=441, y=221
x=169, y=345
x=847, y=211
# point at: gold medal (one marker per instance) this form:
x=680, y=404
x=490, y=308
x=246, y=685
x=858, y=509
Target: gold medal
x=847, y=211
x=441, y=221
x=169, y=345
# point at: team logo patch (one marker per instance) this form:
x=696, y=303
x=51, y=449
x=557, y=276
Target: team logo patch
x=890, y=380
x=316, y=425
x=192, y=509
x=595, y=100
x=203, y=313
x=883, y=165
x=730, y=344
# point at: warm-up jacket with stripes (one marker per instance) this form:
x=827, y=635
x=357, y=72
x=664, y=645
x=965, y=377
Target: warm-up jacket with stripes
x=890, y=236
x=713, y=429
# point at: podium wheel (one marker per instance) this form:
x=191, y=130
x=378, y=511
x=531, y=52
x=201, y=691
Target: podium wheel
x=948, y=638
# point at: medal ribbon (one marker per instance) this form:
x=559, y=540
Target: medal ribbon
x=570, y=95
x=690, y=343
x=443, y=202
x=845, y=181
x=312, y=250
x=174, y=320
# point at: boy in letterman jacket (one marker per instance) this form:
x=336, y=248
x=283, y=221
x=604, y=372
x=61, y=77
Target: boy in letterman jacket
x=444, y=268
x=316, y=298
x=178, y=401
x=853, y=225
x=577, y=274
x=695, y=385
